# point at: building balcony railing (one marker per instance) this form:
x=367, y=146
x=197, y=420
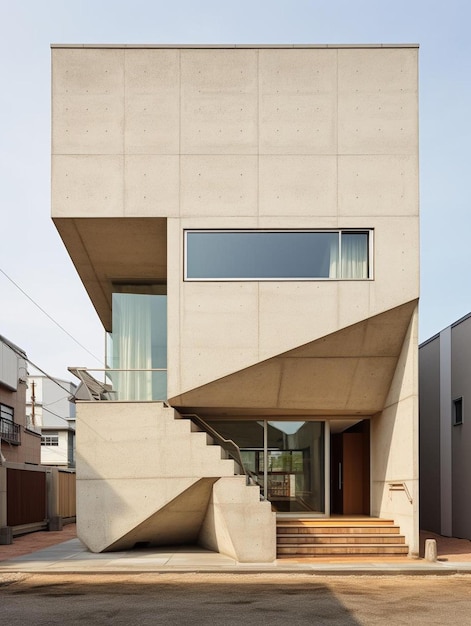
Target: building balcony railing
x=9, y=431
x=31, y=425
x=121, y=385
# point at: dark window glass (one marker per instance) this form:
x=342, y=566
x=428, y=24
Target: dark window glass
x=6, y=412
x=259, y=255
x=458, y=411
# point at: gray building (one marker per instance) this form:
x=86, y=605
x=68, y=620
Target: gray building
x=445, y=433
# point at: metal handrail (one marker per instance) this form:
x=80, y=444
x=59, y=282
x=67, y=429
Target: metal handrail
x=400, y=486
x=10, y=431
x=250, y=476
x=91, y=388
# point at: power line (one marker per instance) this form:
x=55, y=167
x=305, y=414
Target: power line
x=55, y=401
x=51, y=318
x=25, y=358
x=56, y=414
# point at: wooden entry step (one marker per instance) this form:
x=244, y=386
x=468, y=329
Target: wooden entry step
x=339, y=537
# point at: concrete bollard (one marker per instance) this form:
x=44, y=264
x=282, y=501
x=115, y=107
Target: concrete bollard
x=430, y=550
x=6, y=535
x=55, y=523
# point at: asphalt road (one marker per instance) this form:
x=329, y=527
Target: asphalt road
x=233, y=599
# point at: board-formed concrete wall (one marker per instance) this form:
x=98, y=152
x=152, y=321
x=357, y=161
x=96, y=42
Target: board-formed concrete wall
x=144, y=476
x=148, y=142
x=227, y=137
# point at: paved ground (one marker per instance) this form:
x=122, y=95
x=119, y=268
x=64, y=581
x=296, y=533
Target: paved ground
x=449, y=549
x=36, y=541
x=163, y=587
x=62, y=553
x=229, y=599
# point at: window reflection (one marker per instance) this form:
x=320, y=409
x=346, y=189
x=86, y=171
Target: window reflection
x=283, y=255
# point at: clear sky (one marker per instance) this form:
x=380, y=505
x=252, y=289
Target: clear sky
x=31, y=252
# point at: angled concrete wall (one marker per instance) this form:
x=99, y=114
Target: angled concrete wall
x=143, y=476
x=394, y=447
x=238, y=524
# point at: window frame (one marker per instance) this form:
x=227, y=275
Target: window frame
x=458, y=401
x=6, y=414
x=53, y=436
x=339, y=231
x=10, y=431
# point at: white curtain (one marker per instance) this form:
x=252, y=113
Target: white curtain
x=334, y=257
x=354, y=255
x=132, y=346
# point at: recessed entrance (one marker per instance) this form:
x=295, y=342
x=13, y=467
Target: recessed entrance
x=350, y=471
x=286, y=457
x=290, y=462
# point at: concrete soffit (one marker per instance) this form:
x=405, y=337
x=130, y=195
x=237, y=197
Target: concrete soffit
x=346, y=373
x=109, y=251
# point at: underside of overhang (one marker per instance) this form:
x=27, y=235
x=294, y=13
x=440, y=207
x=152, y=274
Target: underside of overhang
x=346, y=373
x=112, y=252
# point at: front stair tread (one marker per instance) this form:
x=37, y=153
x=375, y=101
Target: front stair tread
x=347, y=530
x=341, y=538
x=335, y=522
x=346, y=550
x=373, y=537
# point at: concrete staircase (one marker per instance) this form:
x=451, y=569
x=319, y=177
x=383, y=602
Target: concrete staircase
x=146, y=477
x=339, y=537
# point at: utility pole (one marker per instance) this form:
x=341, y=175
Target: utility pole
x=33, y=400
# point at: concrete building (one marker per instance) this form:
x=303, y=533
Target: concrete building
x=20, y=439
x=245, y=221
x=445, y=432
x=48, y=406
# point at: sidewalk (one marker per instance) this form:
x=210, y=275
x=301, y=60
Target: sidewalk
x=57, y=552
x=25, y=544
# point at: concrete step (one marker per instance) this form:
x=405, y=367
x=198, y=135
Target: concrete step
x=311, y=550
x=304, y=537
x=204, y=441
x=282, y=528
x=333, y=522
x=296, y=539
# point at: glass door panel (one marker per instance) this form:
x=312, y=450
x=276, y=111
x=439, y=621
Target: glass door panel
x=248, y=435
x=285, y=458
x=295, y=455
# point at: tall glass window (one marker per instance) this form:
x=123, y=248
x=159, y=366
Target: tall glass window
x=276, y=255
x=285, y=458
x=139, y=346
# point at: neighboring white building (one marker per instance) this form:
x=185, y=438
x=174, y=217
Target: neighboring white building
x=445, y=430
x=245, y=221
x=48, y=407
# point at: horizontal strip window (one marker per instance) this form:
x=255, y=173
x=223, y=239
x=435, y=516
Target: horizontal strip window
x=277, y=255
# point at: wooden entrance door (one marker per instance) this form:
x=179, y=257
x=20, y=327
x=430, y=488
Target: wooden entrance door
x=350, y=471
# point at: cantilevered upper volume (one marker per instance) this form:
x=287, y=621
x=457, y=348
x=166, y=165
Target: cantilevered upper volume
x=245, y=221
